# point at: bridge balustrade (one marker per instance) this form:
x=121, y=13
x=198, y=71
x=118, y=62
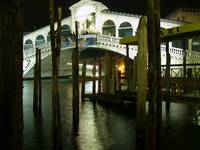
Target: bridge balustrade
x=112, y=43
x=110, y=39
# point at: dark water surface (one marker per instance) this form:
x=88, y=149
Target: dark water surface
x=103, y=128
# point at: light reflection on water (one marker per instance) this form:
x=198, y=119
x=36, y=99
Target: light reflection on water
x=102, y=128
x=196, y=115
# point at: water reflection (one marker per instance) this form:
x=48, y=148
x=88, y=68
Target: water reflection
x=196, y=114
x=103, y=128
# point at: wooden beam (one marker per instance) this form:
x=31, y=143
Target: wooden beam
x=131, y=40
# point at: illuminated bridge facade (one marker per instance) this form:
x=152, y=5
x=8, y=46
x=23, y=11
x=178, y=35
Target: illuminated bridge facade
x=106, y=27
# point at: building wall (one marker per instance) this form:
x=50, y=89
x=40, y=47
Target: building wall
x=187, y=15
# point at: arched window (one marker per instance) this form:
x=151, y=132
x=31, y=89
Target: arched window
x=28, y=44
x=39, y=40
x=109, y=28
x=65, y=35
x=196, y=44
x=125, y=29
x=90, y=23
x=65, y=31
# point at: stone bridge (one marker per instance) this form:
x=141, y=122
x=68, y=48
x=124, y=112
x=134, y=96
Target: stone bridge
x=105, y=28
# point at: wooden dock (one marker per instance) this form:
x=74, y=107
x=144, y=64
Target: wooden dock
x=125, y=98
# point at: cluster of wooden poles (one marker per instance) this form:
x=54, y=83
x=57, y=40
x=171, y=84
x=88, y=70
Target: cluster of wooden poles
x=11, y=70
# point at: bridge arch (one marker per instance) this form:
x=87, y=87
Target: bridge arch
x=125, y=29
x=86, y=18
x=39, y=40
x=109, y=28
x=28, y=44
x=84, y=11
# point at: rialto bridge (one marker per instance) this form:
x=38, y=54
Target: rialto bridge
x=99, y=29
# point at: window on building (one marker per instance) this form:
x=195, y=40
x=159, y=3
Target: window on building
x=28, y=44
x=177, y=43
x=109, y=28
x=196, y=44
x=65, y=35
x=39, y=40
x=125, y=29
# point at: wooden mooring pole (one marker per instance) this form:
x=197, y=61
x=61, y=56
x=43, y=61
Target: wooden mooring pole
x=114, y=72
x=119, y=87
x=127, y=67
x=83, y=80
x=184, y=57
x=39, y=83
x=94, y=78
x=35, y=88
x=141, y=82
x=154, y=61
x=100, y=76
x=11, y=74
x=107, y=74
x=75, y=74
x=167, y=77
x=55, y=47
x=37, y=92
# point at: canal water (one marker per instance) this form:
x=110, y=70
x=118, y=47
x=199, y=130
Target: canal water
x=101, y=127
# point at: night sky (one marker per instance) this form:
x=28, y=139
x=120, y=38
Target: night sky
x=36, y=11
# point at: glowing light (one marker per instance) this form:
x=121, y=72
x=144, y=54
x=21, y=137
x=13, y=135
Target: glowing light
x=83, y=12
x=121, y=68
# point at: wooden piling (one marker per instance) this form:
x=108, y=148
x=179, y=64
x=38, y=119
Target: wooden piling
x=39, y=83
x=135, y=73
x=100, y=76
x=184, y=57
x=119, y=80
x=167, y=77
x=94, y=78
x=154, y=60
x=75, y=74
x=35, y=96
x=142, y=82
x=195, y=80
x=114, y=75
x=36, y=83
x=55, y=47
x=83, y=80
x=107, y=74
x=11, y=74
x=127, y=67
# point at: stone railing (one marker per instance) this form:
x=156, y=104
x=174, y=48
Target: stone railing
x=112, y=43
x=109, y=39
